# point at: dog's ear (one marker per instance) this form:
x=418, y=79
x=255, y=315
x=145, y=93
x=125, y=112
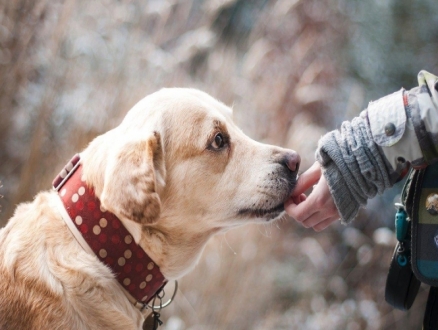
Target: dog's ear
x=133, y=178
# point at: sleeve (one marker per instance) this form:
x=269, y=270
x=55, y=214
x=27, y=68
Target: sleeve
x=353, y=165
x=370, y=153
x=405, y=124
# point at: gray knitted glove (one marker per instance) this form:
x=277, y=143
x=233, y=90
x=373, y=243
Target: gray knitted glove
x=353, y=166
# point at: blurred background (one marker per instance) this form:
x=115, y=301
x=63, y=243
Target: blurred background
x=292, y=69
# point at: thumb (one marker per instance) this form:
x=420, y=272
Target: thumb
x=307, y=179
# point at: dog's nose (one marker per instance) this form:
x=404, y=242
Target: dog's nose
x=292, y=160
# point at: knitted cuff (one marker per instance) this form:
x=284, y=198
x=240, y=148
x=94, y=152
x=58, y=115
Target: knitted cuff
x=346, y=204
x=353, y=166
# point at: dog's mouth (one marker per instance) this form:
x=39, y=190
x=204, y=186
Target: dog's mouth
x=263, y=209
x=266, y=214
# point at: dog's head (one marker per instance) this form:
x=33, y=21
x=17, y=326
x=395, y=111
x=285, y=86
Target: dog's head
x=178, y=153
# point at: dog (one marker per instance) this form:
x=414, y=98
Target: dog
x=175, y=172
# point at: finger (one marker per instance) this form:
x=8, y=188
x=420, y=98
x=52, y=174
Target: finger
x=323, y=214
x=297, y=199
x=300, y=212
x=323, y=225
x=307, y=179
x=315, y=219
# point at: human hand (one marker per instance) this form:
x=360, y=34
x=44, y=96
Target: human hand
x=318, y=210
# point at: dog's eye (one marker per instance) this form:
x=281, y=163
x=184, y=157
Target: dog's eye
x=218, y=142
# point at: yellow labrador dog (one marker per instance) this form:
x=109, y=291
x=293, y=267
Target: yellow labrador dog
x=176, y=171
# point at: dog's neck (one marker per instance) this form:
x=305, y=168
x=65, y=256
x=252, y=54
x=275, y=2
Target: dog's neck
x=174, y=249
x=102, y=233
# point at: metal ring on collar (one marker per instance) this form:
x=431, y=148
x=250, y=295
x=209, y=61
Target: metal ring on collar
x=167, y=303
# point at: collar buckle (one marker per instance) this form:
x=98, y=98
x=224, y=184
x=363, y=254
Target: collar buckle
x=66, y=172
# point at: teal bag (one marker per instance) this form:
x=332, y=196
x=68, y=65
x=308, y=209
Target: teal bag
x=424, y=217
x=415, y=258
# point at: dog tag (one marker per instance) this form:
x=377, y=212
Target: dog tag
x=152, y=322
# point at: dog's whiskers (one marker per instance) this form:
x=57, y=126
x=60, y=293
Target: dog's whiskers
x=225, y=237
x=266, y=234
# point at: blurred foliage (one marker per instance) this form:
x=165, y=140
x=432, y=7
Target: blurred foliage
x=291, y=69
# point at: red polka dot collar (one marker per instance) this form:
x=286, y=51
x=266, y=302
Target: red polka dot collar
x=104, y=234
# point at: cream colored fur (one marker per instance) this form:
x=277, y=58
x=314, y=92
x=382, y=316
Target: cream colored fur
x=165, y=173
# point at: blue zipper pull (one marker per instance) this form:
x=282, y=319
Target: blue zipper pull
x=401, y=222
